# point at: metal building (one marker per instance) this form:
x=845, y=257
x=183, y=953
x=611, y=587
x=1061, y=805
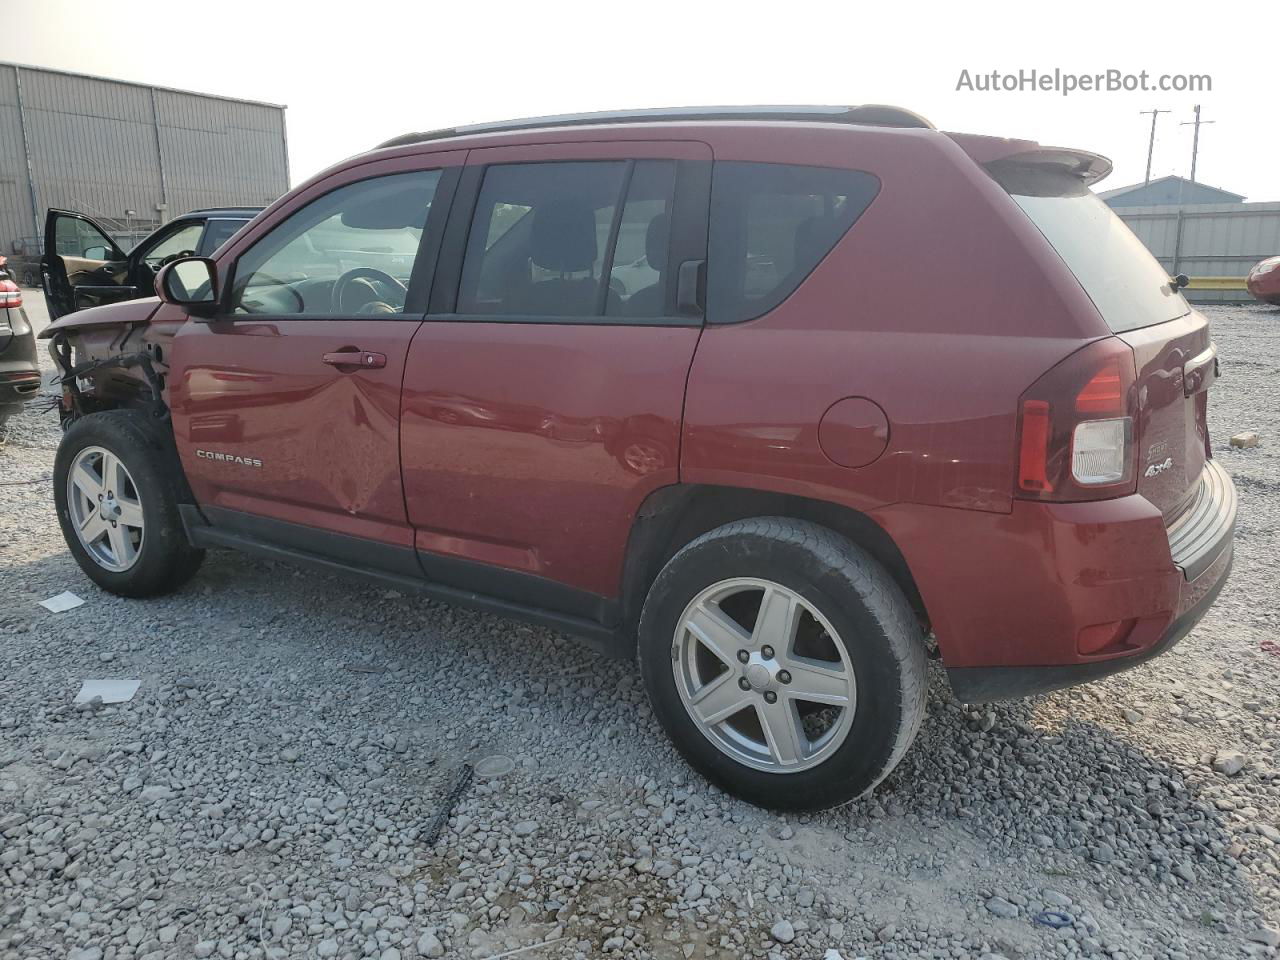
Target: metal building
x=1215, y=244
x=1165, y=191
x=127, y=154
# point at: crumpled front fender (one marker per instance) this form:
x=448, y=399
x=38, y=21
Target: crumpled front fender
x=124, y=313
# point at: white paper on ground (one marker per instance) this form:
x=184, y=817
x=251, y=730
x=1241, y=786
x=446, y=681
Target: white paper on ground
x=66, y=600
x=111, y=691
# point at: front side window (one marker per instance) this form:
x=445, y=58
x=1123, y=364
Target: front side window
x=217, y=232
x=349, y=252
x=569, y=239
x=771, y=224
x=181, y=243
x=78, y=238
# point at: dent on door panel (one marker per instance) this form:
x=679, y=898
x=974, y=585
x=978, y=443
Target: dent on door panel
x=326, y=441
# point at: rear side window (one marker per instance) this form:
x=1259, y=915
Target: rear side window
x=771, y=224
x=1125, y=282
x=570, y=239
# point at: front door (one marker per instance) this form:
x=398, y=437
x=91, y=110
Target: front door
x=286, y=405
x=82, y=266
x=542, y=398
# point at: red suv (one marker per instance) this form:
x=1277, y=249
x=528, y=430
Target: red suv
x=766, y=396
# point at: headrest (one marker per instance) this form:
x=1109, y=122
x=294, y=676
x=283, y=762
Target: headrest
x=812, y=240
x=564, y=234
x=655, y=241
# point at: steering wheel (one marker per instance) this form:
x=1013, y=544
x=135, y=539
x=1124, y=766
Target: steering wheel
x=365, y=277
x=165, y=261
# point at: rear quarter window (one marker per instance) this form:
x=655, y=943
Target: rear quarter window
x=1124, y=281
x=771, y=224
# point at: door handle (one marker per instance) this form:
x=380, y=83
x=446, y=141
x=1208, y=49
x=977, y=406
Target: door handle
x=356, y=358
x=1200, y=371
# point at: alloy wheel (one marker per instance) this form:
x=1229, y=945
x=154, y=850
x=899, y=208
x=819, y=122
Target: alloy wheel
x=763, y=675
x=105, y=509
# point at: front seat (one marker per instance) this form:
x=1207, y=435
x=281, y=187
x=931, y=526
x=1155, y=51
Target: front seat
x=563, y=241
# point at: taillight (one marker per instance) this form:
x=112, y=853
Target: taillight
x=1076, y=427
x=10, y=294
x=1104, y=393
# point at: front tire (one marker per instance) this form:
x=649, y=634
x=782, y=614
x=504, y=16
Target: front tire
x=117, y=485
x=784, y=663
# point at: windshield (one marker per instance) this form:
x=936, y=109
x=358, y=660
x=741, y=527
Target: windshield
x=1125, y=282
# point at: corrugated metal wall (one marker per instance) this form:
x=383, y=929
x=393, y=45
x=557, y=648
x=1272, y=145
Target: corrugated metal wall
x=104, y=147
x=1208, y=240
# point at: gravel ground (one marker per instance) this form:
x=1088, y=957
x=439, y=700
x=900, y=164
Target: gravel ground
x=270, y=790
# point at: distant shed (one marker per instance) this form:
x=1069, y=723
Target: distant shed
x=1167, y=191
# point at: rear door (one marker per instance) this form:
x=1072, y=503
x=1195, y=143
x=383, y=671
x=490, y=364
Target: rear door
x=543, y=396
x=286, y=405
x=82, y=265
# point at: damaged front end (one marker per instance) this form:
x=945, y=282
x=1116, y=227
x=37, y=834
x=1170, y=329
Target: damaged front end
x=112, y=357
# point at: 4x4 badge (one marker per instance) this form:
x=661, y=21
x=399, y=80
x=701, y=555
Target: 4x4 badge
x=1158, y=468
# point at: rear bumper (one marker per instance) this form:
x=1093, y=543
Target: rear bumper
x=19, y=374
x=1013, y=597
x=985, y=684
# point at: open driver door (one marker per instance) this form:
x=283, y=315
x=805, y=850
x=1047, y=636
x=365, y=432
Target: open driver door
x=82, y=265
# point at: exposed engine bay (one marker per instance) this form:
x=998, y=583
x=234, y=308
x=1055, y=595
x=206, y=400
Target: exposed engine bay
x=107, y=365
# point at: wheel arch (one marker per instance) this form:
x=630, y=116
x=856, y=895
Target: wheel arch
x=673, y=516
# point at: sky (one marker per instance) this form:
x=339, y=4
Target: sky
x=353, y=74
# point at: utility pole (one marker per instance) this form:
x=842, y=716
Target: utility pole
x=1151, y=146
x=1195, y=140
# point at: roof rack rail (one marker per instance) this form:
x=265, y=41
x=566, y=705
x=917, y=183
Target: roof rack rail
x=871, y=114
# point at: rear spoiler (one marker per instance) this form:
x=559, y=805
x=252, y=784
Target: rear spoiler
x=997, y=153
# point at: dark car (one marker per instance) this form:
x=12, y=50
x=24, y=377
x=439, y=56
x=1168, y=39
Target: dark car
x=83, y=266
x=875, y=383
x=19, y=372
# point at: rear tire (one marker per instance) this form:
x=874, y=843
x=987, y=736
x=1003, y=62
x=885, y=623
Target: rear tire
x=850, y=639
x=132, y=541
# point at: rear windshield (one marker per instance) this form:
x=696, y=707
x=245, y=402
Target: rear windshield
x=1127, y=284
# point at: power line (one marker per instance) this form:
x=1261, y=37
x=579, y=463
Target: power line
x=1151, y=146
x=1195, y=141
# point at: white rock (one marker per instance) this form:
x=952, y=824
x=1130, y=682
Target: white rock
x=1264, y=935
x=1229, y=762
x=429, y=945
x=1002, y=908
